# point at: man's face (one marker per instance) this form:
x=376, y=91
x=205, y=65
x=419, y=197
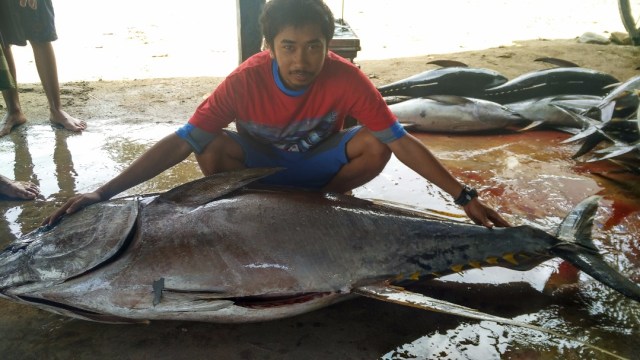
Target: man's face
x=300, y=52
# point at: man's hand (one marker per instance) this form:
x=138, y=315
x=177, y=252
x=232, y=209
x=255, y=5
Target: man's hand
x=72, y=205
x=32, y=3
x=481, y=214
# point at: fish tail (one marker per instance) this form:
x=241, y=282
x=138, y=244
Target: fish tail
x=578, y=248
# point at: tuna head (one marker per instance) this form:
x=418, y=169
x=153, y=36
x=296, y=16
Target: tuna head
x=79, y=243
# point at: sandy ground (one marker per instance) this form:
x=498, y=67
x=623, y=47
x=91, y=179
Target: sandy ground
x=397, y=39
x=150, y=99
x=136, y=40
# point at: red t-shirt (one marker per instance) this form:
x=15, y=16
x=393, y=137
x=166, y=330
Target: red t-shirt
x=264, y=109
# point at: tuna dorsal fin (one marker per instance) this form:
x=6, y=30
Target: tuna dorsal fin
x=448, y=63
x=557, y=62
x=403, y=297
x=209, y=188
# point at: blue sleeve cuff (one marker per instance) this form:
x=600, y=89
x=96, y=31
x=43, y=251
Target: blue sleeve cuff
x=392, y=133
x=197, y=138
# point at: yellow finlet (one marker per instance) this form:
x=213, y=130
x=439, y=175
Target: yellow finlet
x=492, y=260
x=510, y=257
x=456, y=268
x=475, y=264
x=415, y=276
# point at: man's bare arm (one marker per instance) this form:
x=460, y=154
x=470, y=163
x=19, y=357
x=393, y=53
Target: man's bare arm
x=419, y=158
x=164, y=154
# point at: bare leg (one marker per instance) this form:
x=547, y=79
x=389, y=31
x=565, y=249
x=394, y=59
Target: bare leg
x=367, y=157
x=14, y=116
x=48, y=71
x=18, y=189
x=222, y=154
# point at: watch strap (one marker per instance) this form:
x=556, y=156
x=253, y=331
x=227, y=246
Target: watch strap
x=466, y=195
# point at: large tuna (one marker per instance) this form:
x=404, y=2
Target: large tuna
x=456, y=80
x=455, y=114
x=550, y=82
x=218, y=250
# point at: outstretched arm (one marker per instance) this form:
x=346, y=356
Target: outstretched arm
x=164, y=154
x=419, y=158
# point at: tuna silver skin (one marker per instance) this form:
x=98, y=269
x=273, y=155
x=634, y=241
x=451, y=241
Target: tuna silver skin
x=218, y=250
x=455, y=114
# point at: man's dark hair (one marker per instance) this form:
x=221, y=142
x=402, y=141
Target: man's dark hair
x=279, y=14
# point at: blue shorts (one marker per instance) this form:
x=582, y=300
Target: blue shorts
x=311, y=169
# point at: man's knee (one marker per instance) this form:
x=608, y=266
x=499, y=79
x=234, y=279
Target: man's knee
x=380, y=151
x=221, y=154
x=367, y=146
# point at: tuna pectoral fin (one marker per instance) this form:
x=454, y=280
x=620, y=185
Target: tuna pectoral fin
x=449, y=99
x=207, y=189
x=403, y=297
x=534, y=124
x=578, y=248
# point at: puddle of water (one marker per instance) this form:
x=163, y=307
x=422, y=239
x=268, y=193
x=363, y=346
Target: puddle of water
x=529, y=177
x=63, y=164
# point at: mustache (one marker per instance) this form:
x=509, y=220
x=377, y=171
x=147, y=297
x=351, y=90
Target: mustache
x=300, y=72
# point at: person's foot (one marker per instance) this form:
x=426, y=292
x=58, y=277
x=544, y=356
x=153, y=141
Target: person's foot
x=62, y=119
x=22, y=190
x=10, y=121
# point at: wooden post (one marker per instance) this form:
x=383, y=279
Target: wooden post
x=249, y=33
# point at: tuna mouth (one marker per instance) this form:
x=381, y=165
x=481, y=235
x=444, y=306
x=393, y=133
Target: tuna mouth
x=262, y=302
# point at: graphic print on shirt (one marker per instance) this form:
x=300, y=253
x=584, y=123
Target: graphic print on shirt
x=298, y=136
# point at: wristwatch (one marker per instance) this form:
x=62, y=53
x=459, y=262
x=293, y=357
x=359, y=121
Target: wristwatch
x=466, y=195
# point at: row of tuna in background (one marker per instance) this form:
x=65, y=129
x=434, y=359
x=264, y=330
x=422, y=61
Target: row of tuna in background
x=596, y=108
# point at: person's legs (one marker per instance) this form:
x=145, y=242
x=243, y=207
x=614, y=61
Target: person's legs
x=350, y=159
x=221, y=154
x=14, y=115
x=47, y=69
x=367, y=158
x=18, y=189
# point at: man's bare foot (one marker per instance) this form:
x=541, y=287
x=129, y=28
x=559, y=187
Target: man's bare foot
x=23, y=190
x=61, y=118
x=10, y=121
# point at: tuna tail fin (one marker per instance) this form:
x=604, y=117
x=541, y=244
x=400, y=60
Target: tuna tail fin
x=578, y=248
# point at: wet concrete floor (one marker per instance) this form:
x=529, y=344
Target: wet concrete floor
x=528, y=177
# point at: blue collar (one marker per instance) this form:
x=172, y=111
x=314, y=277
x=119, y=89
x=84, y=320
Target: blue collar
x=280, y=84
